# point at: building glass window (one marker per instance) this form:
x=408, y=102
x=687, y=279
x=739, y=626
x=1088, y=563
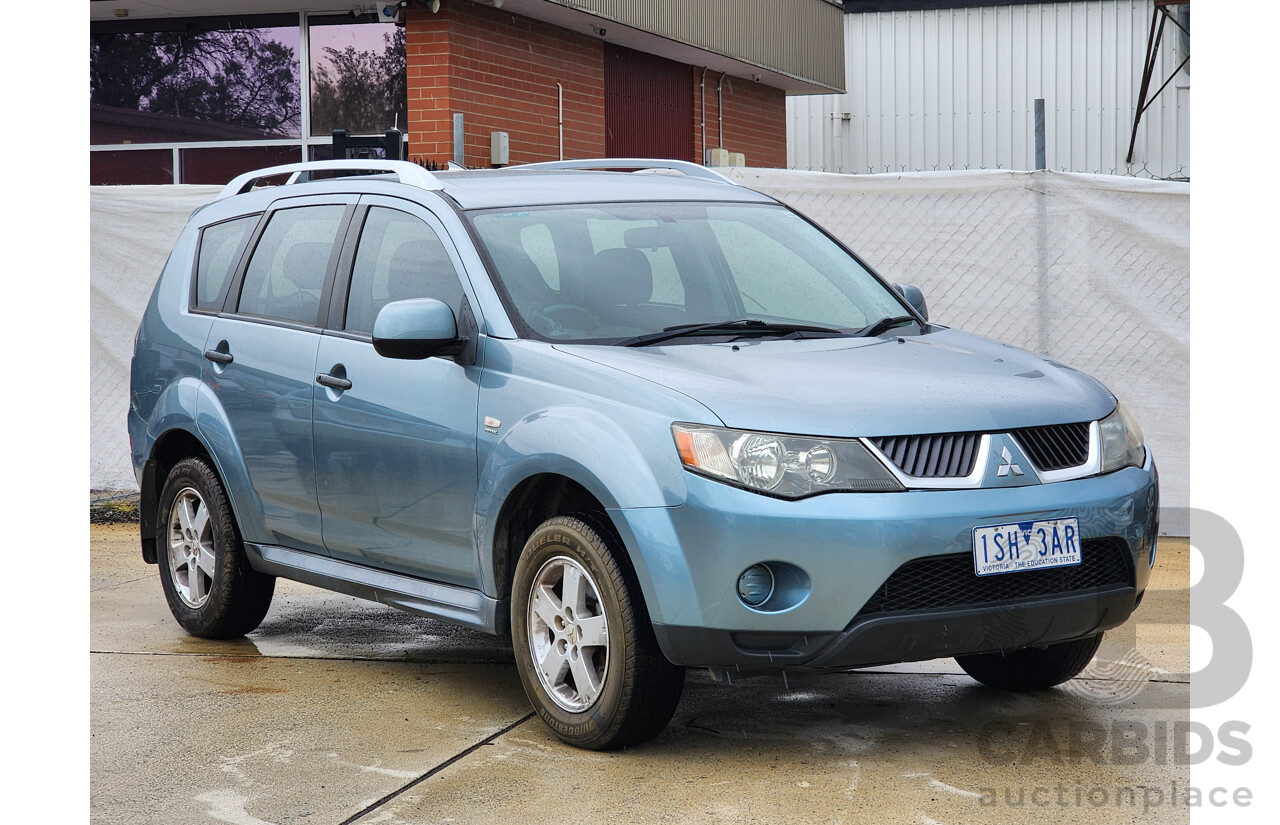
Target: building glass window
x=357, y=77
x=212, y=97
x=197, y=79
x=131, y=166
x=219, y=165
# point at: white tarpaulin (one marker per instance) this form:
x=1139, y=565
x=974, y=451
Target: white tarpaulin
x=1093, y=271
x=131, y=230
x=1090, y=270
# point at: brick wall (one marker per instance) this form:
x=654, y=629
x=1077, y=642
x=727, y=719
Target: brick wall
x=500, y=71
x=755, y=119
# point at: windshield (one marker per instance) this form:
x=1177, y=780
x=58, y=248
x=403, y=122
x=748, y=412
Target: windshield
x=607, y=273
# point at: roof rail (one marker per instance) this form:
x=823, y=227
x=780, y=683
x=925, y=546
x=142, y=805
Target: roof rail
x=408, y=173
x=690, y=169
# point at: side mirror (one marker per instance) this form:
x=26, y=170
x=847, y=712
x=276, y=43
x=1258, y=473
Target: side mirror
x=415, y=329
x=914, y=297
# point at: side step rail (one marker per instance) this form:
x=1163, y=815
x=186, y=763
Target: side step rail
x=458, y=605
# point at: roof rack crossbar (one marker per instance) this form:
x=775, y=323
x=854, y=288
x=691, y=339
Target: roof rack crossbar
x=408, y=173
x=690, y=169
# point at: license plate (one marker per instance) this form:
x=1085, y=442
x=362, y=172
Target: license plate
x=1026, y=545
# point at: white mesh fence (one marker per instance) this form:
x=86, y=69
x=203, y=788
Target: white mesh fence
x=1093, y=271
x=131, y=230
x=1090, y=270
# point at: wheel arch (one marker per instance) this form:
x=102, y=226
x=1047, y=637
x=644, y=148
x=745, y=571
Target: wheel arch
x=534, y=500
x=171, y=447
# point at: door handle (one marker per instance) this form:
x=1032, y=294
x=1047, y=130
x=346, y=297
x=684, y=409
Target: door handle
x=218, y=356
x=324, y=379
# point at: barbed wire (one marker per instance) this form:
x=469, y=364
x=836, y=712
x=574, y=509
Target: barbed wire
x=1182, y=174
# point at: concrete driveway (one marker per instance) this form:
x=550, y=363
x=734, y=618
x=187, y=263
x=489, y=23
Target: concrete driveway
x=338, y=710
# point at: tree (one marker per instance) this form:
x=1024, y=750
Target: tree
x=362, y=91
x=235, y=76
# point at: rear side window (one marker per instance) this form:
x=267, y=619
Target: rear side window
x=219, y=245
x=399, y=257
x=286, y=272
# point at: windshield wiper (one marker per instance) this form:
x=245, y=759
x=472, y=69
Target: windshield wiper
x=885, y=324
x=743, y=325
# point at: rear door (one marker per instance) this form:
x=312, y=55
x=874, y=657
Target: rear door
x=260, y=361
x=396, y=451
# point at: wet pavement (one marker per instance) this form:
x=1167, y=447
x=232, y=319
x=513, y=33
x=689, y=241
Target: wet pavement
x=338, y=710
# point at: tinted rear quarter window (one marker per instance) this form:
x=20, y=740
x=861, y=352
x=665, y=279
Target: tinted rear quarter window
x=220, y=246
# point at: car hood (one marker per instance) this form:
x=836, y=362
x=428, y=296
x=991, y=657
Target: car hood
x=946, y=381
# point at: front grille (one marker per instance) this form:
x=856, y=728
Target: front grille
x=945, y=455
x=1056, y=447
x=949, y=581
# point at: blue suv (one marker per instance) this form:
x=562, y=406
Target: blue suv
x=637, y=421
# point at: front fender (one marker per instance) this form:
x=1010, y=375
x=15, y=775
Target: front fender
x=622, y=463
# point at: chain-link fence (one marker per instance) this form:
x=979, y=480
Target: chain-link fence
x=131, y=231
x=1180, y=175
x=1092, y=271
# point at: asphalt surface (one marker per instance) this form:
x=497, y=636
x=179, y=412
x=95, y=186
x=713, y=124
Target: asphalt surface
x=338, y=710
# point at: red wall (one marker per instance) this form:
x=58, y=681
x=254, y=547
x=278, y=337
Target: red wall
x=647, y=105
x=500, y=71
x=755, y=118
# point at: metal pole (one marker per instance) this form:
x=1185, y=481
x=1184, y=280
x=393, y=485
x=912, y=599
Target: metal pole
x=560, y=115
x=720, y=108
x=1043, y=303
x=393, y=144
x=1148, y=66
x=1040, y=164
x=304, y=76
x=459, y=141
x=702, y=90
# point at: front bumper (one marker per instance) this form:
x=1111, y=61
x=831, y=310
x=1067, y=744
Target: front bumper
x=688, y=560
x=908, y=636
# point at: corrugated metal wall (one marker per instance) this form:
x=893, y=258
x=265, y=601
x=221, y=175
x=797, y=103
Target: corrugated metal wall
x=648, y=105
x=800, y=38
x=955, y=89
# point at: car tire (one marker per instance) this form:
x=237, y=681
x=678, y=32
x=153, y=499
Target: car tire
x=211, y=589
x=592, y=669
x=1032, y=668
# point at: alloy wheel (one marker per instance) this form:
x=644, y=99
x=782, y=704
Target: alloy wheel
x=568, y=634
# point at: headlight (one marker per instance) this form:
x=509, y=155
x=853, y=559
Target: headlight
x=781, y=465
x=1122, y=444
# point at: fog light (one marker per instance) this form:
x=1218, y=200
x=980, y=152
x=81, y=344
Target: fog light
x=755, y=585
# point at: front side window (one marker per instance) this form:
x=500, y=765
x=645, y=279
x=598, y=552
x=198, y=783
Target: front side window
x=285, y=275
x=217, y=260
x=399, y=257
x=625, y=270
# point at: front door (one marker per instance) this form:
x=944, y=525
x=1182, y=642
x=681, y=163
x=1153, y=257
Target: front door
x=396, y=451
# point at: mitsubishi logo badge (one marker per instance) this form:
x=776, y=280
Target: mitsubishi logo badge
x=1006, y=464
